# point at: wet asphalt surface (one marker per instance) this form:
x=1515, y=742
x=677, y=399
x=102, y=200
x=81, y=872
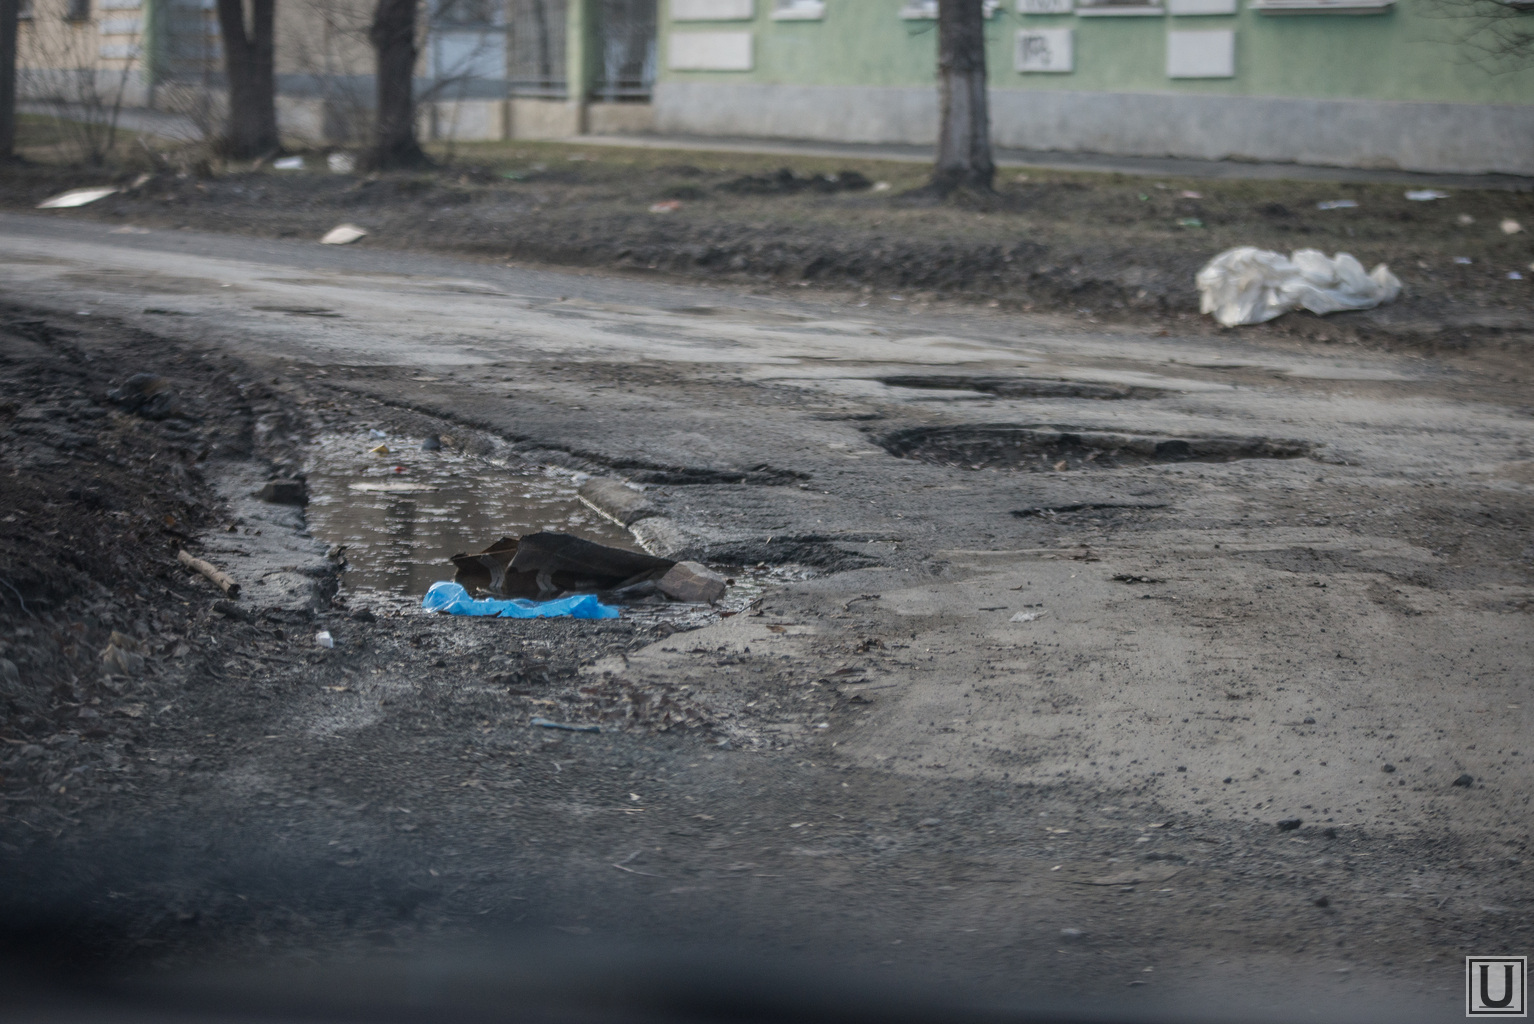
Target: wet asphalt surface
x=878, y=772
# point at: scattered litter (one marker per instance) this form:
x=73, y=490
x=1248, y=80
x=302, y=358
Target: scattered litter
x=374, y=432
x=544, y=723
x=1188, y=193
x=1125, y=577
x=1425, y=195
x=1513, y=275
x=1026, y=616
x=341, y=163
x=666, y=206
x=1510, y=226
x=324, y=639
x=1338, y=204
x=1463, y=261
x=284, y=492
x=1189, y=222
x=75, y=197
x=1251, y=286
x=382, y=449
x=1464, y=220
x=343, y=234
x=220, y=578
x=289, y=163
x=452, y=599
x=884, y=186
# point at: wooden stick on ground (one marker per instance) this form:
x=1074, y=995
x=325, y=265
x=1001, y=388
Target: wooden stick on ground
x=213, y=572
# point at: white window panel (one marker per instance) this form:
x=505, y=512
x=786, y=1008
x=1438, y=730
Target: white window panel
x=119, y=26
x=1201, y=6
x=1343, y=6
x=926, y=10
x=1045, y=50
x=712, y=10
x=799, y=10
x=118, y=5
x=466, y=54
x=117, y=51
x=1045, y=6
x=710, y=51
x=1204, y=54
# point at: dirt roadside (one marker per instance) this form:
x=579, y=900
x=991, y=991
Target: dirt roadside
x=1099, y=248
x=264, y=800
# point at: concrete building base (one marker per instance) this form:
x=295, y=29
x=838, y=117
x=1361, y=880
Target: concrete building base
x=1434, y=137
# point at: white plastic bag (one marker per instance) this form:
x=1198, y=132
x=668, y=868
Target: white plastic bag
x=1252, y=286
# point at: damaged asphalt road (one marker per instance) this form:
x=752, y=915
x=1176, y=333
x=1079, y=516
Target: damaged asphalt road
x=1156, y=683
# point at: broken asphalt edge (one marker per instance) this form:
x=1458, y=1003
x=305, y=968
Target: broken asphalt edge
x=657, y=533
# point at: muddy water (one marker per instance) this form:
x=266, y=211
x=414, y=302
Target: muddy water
x=402, y=514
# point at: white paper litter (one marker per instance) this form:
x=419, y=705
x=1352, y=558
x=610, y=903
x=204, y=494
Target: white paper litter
x=1425, y=195
x=75, y=197
x=1511, y=226
x=1025, y=617
x=1338, y=204
x=289, y=163
x=1252, y=286
x=324, y=639
x=341, y=163
x=343, y=234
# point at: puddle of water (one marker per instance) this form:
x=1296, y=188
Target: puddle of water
x=400, y=527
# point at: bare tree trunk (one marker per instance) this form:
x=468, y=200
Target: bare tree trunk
x=964, y=138
x=248, y=64
x=545, y=57
x=393, y=39
x=8, y=10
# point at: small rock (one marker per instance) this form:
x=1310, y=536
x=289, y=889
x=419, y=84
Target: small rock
x=1388, y=769
x=432, y=444
x=1323, y=902
x=1289, y=824
x=1464, y=781
x=692, y=582
x=87, y=713
x=929, y=822
x=32, y=751
x=364, y=615
x=284, y=492
x=1071, y=934
x=1310, y=721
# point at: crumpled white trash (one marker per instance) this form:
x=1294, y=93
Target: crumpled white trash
x=1248, y=285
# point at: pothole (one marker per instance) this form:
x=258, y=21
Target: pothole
x=1022, y=387
x=1013, y=446
x=401, y=513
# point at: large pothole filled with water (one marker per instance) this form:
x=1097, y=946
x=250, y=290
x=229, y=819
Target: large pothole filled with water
x=1041, y=447
x=402, y=511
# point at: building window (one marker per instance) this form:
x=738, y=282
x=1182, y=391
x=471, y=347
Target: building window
x=1118, y=8
x=926, y=10
x=78, y=10
x=798, y=10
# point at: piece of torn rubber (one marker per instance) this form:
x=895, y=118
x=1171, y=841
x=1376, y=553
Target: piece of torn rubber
x=451, y=599
x=547, y=565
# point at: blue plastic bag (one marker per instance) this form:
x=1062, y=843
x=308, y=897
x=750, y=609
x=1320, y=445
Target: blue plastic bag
x=451, y=598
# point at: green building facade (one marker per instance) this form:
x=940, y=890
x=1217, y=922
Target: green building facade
x=1359, y=83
